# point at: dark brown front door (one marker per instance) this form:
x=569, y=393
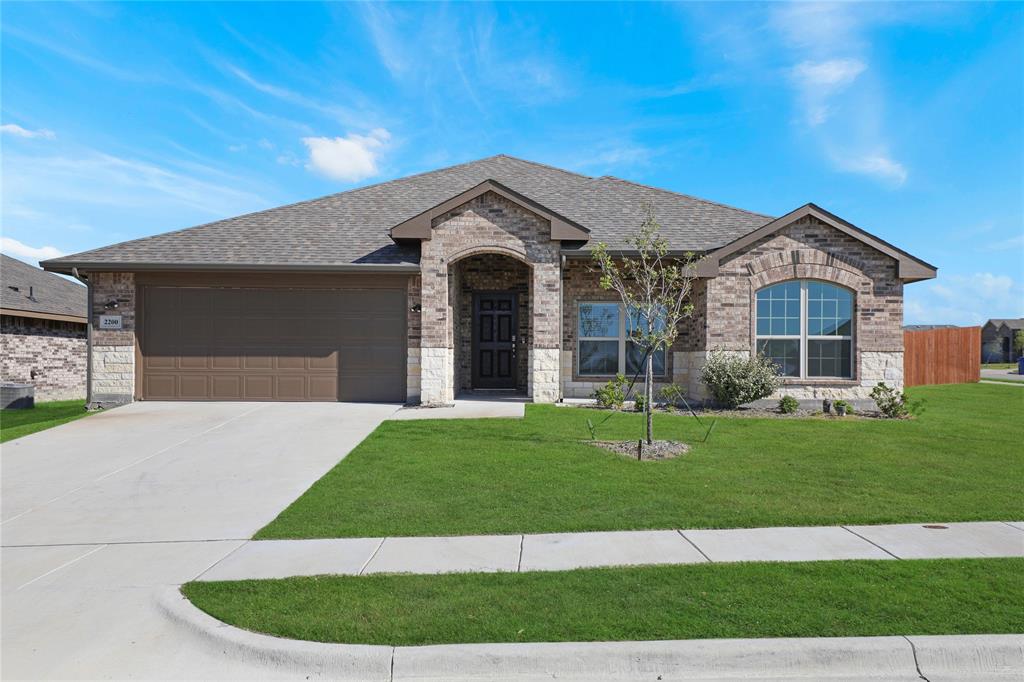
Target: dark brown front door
x=495, y=324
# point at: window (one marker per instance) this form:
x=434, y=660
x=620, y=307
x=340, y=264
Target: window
x=604, y=347
x=806, y=328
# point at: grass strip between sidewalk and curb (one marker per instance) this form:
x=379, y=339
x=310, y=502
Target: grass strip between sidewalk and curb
x=751, y=600
x=18, y=423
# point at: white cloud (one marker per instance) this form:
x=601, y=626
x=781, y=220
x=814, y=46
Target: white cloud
x=834, y=73
x=1011, y=244
x=878, y=165
x=964, y=299
x=17, y=130
x=12, y=247
x=350, y=158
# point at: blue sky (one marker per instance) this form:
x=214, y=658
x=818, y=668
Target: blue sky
x=121, y=121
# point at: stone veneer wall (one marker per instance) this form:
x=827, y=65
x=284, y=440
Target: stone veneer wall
x=488, y=224
x=413, y=334
x=580, y=284
x=113, y=351
x=490, y=272
x=809, y=249
x=54, y=350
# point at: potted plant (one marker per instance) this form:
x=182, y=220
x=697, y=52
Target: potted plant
x=842, y=407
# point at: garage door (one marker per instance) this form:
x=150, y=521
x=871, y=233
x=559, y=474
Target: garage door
x=205, y=343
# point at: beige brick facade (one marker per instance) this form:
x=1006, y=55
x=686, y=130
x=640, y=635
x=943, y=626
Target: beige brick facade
x=494, y=244
x=494, y=226
x=810, y=249
x=113, y=352
x=48, y=354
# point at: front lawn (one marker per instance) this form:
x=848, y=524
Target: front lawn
x=960, y=461
x=18, y=423
x=821, y=599
x=999, y=365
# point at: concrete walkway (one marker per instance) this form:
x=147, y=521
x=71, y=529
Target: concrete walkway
x=468, y=407
x=1005, y=374
x=565, y=551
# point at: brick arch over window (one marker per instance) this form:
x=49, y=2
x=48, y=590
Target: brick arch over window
x=778, y=267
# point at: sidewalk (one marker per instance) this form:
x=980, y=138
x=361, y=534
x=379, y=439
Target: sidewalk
x=565, y=551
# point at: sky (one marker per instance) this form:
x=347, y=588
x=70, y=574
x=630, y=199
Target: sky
x=119, y=121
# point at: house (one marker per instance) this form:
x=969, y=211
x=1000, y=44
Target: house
x=42, y=331
x=997, y=340
x=480, y=277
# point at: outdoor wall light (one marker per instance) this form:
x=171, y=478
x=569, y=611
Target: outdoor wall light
x=110, y=305
x=417, y=308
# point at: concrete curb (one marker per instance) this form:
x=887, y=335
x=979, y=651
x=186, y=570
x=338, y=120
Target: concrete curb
x=935, y=658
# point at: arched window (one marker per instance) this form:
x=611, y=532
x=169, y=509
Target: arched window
x=806, y=328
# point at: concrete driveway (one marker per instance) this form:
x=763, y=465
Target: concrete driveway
x=1007, y=374
x=98, y=513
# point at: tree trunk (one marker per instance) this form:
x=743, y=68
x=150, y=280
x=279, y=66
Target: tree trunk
x=649, y=393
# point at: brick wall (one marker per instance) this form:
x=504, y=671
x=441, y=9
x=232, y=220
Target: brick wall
x=113, y=351
x=488, y=224
x=809, y=249
x=55, y=352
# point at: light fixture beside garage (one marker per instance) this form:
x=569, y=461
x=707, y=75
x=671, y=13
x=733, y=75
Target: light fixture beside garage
x=417, y=308
x=110, y=305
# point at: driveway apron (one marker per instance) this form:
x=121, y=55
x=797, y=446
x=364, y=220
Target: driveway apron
x=99, y=513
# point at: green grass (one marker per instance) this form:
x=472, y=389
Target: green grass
x=18, y=423
x=961, y=460
x=1000, y=365
x=820, y=599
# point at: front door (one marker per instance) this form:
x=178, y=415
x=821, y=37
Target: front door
x=495, y=325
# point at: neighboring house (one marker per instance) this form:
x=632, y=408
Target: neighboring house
x=479, y=276
x=926, y=327
x=997, y=340
x=42, y=331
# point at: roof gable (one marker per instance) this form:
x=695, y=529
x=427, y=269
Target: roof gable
x=910, y=269
x=419, y=226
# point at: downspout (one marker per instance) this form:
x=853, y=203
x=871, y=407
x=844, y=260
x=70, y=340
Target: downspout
x=88, y=335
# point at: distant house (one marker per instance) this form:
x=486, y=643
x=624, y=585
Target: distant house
x=926, y=327
x=42, y=331
x=997, y=339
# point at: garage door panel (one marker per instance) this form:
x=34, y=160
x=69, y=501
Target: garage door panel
x=226, y=387
x=193, y=387
x=273, y=344
x=258, y=387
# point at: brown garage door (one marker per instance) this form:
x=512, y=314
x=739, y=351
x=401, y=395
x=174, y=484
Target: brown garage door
x=203, y=343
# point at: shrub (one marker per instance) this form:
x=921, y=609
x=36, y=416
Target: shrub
x=735, y=380
x=843, y=404
x=639, y=401
x=612, y=394
x=671, y=395
x=788, y=405
x=892, y=403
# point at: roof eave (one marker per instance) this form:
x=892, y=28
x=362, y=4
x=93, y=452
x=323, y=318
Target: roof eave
x=39, y=315
x=66, y=267
x=909, y=268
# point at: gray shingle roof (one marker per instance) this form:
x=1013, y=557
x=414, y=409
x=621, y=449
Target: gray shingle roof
x=353, y=227
x=30, y=289
x=1014, y=323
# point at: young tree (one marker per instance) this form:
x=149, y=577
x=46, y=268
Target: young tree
x=1018, y=344
x=655, y=287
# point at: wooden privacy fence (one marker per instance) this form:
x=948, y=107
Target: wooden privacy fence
x=942, y=356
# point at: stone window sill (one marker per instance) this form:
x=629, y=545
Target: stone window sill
x=794, y=381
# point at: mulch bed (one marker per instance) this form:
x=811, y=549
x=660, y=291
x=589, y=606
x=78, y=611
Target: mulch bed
x=658, y=450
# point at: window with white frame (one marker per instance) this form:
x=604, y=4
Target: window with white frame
x=604, y=346
x=806, y=328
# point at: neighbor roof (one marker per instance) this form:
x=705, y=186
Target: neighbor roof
x=352, y=228
x=30, y=292
x=1016, y=323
